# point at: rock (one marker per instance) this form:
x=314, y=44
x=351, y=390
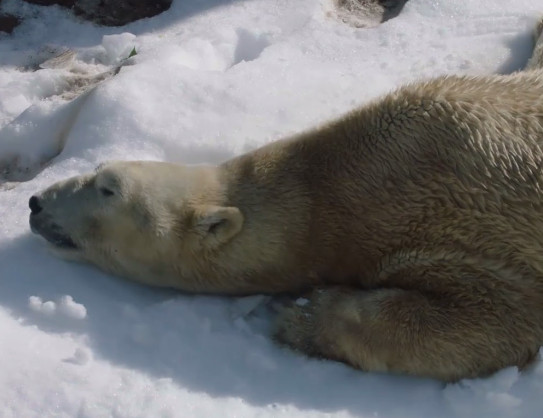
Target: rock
x=119, y=12
x=368, y=13
x=64, y=3
x=392, y=8
x=111, y=12
x=8, y=23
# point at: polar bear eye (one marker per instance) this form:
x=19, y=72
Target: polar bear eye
x=106, y=192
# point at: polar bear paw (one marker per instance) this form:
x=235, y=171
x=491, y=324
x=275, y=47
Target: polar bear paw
x=302, y=324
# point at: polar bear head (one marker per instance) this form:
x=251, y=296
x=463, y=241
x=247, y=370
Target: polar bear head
x=154, y=222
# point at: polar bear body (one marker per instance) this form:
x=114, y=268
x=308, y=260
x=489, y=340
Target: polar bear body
x=415, y=224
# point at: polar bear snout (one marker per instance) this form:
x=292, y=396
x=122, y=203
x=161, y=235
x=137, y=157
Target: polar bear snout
x=37, y=217
x=43, y=225
x=46, y=221
x=35, y=205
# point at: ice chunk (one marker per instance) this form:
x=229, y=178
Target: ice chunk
x=118, y=47
x=72, y=309
x=36, y=304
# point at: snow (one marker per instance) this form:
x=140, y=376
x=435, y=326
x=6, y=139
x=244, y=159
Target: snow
x=211, y=79
x=302, y=301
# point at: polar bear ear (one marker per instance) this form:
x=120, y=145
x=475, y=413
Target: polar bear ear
x=218, y=224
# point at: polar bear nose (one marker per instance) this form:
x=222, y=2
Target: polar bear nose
x=34, y=205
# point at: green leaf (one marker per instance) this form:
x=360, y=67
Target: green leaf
x=132, y=53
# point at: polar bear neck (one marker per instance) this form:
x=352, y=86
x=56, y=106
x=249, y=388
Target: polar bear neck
x=293, y=231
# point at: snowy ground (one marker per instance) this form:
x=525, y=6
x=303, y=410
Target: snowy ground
x=212, y=79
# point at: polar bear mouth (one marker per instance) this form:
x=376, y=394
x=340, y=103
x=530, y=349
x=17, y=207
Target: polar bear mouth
x=52, y=233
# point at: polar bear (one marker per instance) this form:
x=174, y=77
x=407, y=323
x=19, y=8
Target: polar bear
x=413, y=226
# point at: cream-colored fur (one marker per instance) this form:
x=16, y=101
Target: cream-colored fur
x=415, y=224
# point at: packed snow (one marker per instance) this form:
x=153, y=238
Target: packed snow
x=211, y=79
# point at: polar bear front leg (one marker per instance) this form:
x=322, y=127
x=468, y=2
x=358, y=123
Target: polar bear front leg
x=408, y=332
